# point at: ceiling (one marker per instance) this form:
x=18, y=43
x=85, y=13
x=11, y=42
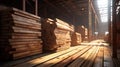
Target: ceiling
x=78, y=7
x=72, y=11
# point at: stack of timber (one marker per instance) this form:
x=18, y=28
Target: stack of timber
x=56, y=35
x=20, y=34
x=83, y=31
x=76, y=39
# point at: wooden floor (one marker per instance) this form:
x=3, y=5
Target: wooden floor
x=90, y=55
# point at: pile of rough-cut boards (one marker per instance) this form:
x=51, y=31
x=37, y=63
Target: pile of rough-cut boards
x=75, y=39
x=77, y=56
x=19, y=34
x=56, y=35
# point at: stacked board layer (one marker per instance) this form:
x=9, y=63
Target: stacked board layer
x=76, y=39
x=20, y=34
x=56, y=35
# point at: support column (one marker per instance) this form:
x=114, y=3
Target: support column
x=95, y=27
x=109, y=23
x=24, y=5
x=90, y=20
x=36, y=7
x=114, y=29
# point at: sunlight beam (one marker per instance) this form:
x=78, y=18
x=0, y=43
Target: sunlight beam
x=103, y=10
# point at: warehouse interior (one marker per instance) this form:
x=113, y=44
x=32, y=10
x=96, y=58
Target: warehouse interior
x=59, y=33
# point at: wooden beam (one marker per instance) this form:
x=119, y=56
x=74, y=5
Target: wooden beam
x=95, y=22
x=109, y=23
x=94, y=10
x=24, y=5
x=90, y=20
x=114, y=30
x=36, y=7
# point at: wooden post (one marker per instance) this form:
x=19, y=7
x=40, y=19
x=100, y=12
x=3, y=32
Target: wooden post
x=114, y=29
x=95, y=27
x=24, y=5
x=36, y=7
x=96, y=16
x=109, y=23
x=90, y=20
x=92, y=7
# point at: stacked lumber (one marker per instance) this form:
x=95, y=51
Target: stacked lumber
x=83, y=31
x=56, y=35
x=76, y=39
x=19, y=34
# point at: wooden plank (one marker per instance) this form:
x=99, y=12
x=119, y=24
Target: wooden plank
x=20, y=33
x=60, y=58
x=23, y=40
x=21, y=22
x=24, y=19
x=36, y=52
x=25, y=36
x=23, y=60
x=107, y=58
x=21, y=36
x=91, y=58
x=34, y=27
x=26, y=53
x=99, y=59
x=62, y=47
x=80, y=60
x=75, y=39
x=25, y=14
x=24, y=30
x=14, y=44
x=70, y=59
x=56, y=35
x=20, y=49
x=26, y=47
x=46, y=58
x=22, y=54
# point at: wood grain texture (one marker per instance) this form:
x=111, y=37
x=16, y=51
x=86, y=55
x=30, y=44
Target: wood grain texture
x=56, y=35
x=76, y=39
x=20, y=34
